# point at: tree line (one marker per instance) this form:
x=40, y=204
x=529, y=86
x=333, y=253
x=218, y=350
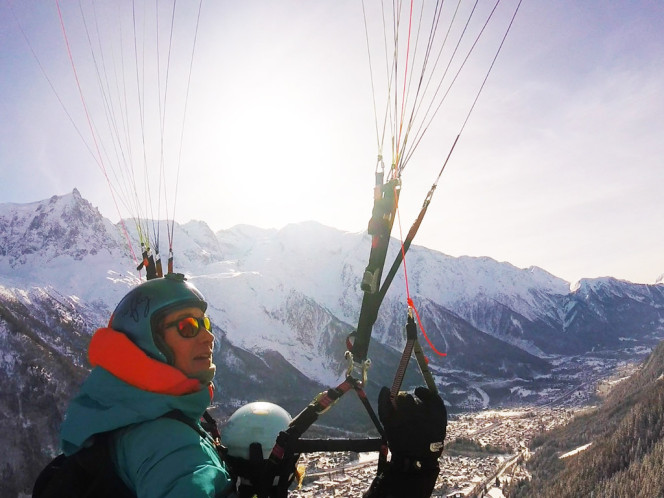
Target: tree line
x=626, y=457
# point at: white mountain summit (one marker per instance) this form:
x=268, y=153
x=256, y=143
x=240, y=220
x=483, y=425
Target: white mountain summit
x=282, y=303
x=296, y=292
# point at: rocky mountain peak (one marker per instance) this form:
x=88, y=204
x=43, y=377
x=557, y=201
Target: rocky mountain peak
x=62, y=225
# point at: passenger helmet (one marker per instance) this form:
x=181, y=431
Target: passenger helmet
x=139, y=312
x=257, y=422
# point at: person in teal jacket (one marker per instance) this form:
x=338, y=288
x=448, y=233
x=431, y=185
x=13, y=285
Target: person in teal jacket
x=155, y=358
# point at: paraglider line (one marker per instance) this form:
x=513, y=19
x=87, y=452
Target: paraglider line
x=87, y=115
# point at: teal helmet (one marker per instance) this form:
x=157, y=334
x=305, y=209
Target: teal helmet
x=257, y=422
x=139, y=312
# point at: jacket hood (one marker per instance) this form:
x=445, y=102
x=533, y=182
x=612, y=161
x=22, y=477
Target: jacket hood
x=127, y=387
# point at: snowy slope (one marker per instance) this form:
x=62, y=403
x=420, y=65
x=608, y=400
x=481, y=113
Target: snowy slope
x=295, y=291
x=282, y=303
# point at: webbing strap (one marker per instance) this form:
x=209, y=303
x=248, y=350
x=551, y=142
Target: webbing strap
x=405, y=246
x=170, y=261
x=411, y=337
x=212, y=436
x=287, y=440
x=380, y=227
x=355, y=445
x=287, y=447
x=159, y=268
x=412, y=345
x=423, y=363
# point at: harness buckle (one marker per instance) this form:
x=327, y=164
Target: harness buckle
x=361, y=368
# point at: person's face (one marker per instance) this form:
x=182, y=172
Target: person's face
x=192, y=354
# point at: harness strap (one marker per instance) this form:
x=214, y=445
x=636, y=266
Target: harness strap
x=411, y=338
x=288, y=445
x=159, y=268
x=170, y=261
x=213, y=437
x=412, y=345
x=423, y=363
x=380, y=227
x=210, y=425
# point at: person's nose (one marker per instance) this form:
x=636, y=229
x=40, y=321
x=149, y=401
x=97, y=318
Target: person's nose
x=206, y=336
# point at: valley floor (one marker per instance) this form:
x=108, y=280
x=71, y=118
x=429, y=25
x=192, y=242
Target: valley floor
x=349, y=475
x=476, y=474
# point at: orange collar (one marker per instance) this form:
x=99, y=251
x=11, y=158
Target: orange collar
x=115, y=352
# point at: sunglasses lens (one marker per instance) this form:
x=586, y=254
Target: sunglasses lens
x=190, y=326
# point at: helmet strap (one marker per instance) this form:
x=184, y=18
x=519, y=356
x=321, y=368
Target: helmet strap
x=164, y=348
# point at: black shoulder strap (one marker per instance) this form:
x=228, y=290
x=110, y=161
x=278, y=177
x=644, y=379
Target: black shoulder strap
x=210, y=432
x=88, y=472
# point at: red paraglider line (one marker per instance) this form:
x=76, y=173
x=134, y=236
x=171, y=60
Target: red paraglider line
x=417, y=315
x=411, y=304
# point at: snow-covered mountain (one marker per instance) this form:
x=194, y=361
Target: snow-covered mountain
x=296, y=291
x=283, y=302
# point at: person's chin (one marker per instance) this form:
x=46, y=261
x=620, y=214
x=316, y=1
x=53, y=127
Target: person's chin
x=204, y=371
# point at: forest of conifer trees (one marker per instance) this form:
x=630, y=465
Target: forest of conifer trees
x=626, y=457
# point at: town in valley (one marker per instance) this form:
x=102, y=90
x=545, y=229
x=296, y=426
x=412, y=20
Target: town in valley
x=500, y=440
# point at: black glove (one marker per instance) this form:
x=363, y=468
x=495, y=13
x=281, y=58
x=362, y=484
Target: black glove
x=262, y=477
x=415, y=430
x=415, y=427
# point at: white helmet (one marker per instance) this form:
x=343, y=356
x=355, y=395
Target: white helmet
x=257, y=422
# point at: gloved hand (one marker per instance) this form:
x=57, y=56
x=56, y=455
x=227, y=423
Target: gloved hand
x=261, y=477
x=415, y=430
x=415, y=427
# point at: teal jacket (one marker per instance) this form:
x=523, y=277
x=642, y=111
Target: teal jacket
x=128, y=392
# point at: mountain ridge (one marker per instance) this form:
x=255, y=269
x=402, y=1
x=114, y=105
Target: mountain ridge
x=282, y=303
x=530, y=308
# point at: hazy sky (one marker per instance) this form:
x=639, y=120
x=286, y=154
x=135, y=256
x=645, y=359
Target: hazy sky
x=561, y=164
